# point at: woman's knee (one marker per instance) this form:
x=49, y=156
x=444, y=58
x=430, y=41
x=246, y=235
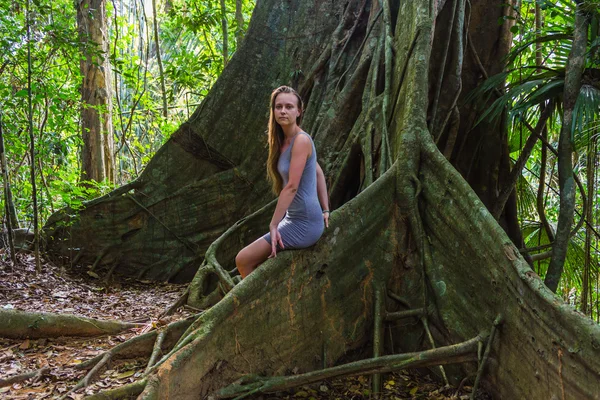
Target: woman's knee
x=241, y=259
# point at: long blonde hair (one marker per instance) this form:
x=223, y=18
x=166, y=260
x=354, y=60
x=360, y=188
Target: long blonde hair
x=276, y=138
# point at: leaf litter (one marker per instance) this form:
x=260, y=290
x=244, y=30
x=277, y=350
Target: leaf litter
x=77, y=292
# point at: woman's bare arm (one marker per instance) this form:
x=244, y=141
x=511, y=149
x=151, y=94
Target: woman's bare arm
x=322, y=194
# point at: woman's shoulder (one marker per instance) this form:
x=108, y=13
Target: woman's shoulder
x=303, y=140
x=304, y=136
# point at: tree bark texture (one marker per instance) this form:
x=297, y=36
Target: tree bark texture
x=468, y=52
x=96, y=94
x=418, y=229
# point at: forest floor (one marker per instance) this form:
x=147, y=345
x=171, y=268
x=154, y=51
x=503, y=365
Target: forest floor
x=81, y=292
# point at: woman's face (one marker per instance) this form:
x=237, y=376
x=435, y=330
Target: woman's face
x=286, y=109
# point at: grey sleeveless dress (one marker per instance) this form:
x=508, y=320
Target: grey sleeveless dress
x=303, y=223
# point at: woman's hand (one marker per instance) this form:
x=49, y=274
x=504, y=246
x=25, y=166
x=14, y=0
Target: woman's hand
x=326, y=218
x=275, y=239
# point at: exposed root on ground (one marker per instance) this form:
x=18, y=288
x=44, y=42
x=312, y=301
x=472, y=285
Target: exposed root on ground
x=36, y=375
x=122, y=392
x=20, y=324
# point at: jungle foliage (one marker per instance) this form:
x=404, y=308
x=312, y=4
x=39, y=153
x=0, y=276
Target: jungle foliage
x=191, y=41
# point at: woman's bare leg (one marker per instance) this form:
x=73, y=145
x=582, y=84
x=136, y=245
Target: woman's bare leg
x=252, y=255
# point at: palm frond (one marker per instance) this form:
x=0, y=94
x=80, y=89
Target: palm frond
x=551, y=37
x=526, y=197
x=585, y=113
x=542, y=94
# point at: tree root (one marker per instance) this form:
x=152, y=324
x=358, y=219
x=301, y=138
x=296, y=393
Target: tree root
x=425, y=324
x=386, y=156
x=199, y=296
x=316, y=69
x=122, y=392
x=156, y=351
x=378, y=318
x=359, y=52
x=99, y=257
x=457, y=353
x=36, y=375
x=486, y=355
x=19, y=324
x=88, y=378
x=421, y=313
x=148, y=343
x=348, y=36
x=78, y=256
x=142, y=345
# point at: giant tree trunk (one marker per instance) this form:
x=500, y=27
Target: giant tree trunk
x=419, y=229
x=211, y=172
x=96, y=94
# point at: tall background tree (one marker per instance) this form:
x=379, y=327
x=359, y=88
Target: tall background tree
x=97, y=156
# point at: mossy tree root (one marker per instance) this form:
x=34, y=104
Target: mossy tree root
x=123, y=392
x=20, y=324
x=213, y=281
x=457, y=353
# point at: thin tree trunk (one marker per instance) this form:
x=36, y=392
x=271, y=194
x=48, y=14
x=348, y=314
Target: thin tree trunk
x=11, y=210
x=566, y=181
x=7, y=198
x=538, y=28
x=96, y=92
x=541, y=204
x=159, y=60
x=36, y=231
x=540, y=194
x=239, y=18
x=225, y=32
x=591, y=169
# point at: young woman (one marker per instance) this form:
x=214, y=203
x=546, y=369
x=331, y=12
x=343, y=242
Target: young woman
x=292, y=168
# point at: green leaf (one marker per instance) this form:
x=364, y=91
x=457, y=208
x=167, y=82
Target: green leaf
x=22, y=93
